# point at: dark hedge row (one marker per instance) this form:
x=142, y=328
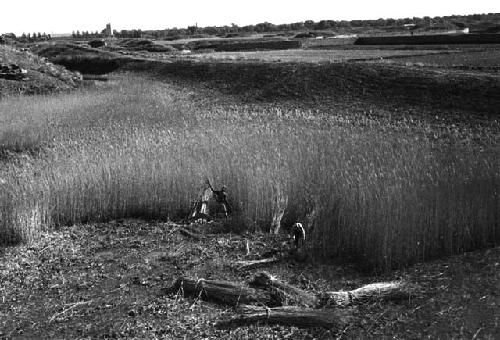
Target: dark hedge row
x=253, y=45
x=438, y=39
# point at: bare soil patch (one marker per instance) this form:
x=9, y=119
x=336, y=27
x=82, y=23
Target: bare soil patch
x=108, y=280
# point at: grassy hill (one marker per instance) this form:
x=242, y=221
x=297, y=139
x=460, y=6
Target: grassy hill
x=43, y=76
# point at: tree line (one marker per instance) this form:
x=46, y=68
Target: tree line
x=452, y=21
x=446, y=22
x=87, y=34
x=30, y=37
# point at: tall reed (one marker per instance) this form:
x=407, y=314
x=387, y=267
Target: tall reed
x=380, y=193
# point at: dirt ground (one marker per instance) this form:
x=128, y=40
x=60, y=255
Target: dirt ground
x=107, y=281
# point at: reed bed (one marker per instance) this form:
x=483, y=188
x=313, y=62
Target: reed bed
x=379, y=193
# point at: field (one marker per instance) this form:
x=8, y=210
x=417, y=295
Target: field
x=481, y=60
x=309, y=56
x=386, y=164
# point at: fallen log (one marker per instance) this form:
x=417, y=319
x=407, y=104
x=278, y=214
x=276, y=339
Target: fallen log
x=252, y=264
x=284, y=292
x=387, y=291
x=223, y=292
x=289, y=315
x=190, y=234
x=267, y=290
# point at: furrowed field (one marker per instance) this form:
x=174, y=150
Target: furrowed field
x=378, y=186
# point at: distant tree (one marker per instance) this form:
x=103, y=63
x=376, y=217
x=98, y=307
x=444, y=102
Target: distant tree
x=234, y=27
x=265, y=27
x=390, y=22
x=381, y=22
x=344, y=23
x=322, y=25
x=10, y=36
x=309, y=24
x=297, y=26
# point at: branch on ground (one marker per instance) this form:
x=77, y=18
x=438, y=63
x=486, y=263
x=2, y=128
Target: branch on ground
x=289, y=315
x=222, y=292
x=252, y=264
x=288, y=294
x=387, y=291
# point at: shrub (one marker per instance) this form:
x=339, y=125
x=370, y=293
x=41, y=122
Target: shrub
x=97, y=43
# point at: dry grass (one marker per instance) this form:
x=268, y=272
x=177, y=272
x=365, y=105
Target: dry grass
x=485, y=58
x=385, y=194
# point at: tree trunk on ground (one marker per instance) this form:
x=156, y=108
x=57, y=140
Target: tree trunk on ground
x=268, y=291
x=387, y=291
x=289, y=295
x=289, y=315
x=227, y=293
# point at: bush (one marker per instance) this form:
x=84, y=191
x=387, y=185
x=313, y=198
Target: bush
x=97, y=43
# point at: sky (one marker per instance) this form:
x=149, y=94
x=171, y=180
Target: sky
x=65, y=16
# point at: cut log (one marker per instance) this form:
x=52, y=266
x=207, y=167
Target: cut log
x=283, y=292
x=248, y=265
x=387, y=291
x=223, y=292
x=289, y=315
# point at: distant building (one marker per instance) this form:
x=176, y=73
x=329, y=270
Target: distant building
x=107, y=32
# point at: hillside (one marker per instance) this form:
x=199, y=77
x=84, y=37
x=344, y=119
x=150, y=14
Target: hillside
x=42, y=76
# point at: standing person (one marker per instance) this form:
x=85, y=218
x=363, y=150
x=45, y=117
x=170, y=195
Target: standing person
x=221, y=198
x=298, y=234
x=205, y=197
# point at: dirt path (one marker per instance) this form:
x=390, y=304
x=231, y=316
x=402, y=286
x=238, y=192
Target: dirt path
x=106, y=281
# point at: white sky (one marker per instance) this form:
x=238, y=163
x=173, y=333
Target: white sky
x=65, y=16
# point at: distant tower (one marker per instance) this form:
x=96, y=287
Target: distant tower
x=108, y=32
